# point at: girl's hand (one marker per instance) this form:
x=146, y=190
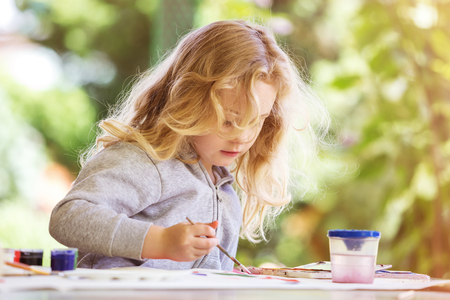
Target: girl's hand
x=180, y=242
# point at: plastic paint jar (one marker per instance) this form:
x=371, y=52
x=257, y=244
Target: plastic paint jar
x=31, y=257
x=9, y=255
x=353, y=255
x=64, y=259
x=16, y=255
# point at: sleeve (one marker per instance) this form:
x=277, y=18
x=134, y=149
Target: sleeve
x=94, y=217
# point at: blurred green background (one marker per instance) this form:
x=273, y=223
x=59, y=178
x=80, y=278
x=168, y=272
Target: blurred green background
x=381, y=67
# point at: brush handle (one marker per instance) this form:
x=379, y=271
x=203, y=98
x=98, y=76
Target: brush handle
x=25, y=267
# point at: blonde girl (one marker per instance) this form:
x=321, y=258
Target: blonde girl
x=221, y=98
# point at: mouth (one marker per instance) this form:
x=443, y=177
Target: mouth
x=229, y=153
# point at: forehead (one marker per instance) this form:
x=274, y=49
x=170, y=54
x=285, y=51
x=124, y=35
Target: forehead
x=234, y=99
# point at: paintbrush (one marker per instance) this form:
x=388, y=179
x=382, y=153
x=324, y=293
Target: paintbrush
x=226, y=253
x=25, y=267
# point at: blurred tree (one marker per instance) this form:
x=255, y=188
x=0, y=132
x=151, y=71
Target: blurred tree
x=174, y=19
x=102, y=43
x=102, y=52
x=382, y=66
x=22, y=155
x=391, y=81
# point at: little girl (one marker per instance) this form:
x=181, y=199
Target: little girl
x=221, y=98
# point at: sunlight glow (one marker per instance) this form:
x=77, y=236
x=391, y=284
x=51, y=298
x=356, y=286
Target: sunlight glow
x=424, y=15
x=38, y=68
x=8, y=13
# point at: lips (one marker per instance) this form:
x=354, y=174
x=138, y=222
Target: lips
x=229, y=153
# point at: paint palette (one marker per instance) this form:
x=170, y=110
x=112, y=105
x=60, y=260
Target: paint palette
x=291, y=272
x=402, y=276
x=318, y=270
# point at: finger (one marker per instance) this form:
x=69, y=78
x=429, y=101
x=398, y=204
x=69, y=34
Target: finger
x=199, y=253
x=213, y=224
x=207, y=244
x=204, y=230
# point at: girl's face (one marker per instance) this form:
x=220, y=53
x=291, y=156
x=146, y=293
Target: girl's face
x=214, y=150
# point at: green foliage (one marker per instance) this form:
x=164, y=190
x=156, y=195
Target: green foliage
x=211, y=11
x=383, y=67
x=64, y=118
x=119, y=30
x=399, y=184
x=22, y=154
x=23, y=226
x=345, y=81
x=384, y=81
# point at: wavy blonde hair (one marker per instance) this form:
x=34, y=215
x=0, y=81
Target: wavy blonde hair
x=180, y=98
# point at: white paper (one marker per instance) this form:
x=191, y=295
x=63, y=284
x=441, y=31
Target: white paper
x=185, y=280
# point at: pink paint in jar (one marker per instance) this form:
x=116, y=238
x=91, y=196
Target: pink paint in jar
x=353, y=255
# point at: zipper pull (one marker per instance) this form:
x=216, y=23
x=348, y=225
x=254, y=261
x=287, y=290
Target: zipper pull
x=217, y=194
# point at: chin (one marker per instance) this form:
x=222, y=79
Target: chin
x=225, y=164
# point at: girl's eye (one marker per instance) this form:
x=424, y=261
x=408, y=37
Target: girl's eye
x=227, y=123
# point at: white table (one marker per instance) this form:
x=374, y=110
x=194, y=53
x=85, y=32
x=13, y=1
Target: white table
x=206, y=284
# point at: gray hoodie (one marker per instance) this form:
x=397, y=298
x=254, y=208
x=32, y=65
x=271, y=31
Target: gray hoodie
x=121, y=192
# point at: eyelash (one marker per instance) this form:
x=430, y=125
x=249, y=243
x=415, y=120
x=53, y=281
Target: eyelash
x=229, y=123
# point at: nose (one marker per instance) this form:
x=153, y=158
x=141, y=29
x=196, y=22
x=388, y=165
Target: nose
x=246, y=136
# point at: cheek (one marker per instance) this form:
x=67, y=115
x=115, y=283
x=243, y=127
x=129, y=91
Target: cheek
x=206, y=142
x=258, y=132
x=198, y=143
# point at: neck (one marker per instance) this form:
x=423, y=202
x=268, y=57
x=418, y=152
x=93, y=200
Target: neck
x=209, y=168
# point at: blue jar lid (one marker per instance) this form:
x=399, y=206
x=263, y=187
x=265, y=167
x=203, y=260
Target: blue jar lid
x=345, y=233
x=70, y=251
